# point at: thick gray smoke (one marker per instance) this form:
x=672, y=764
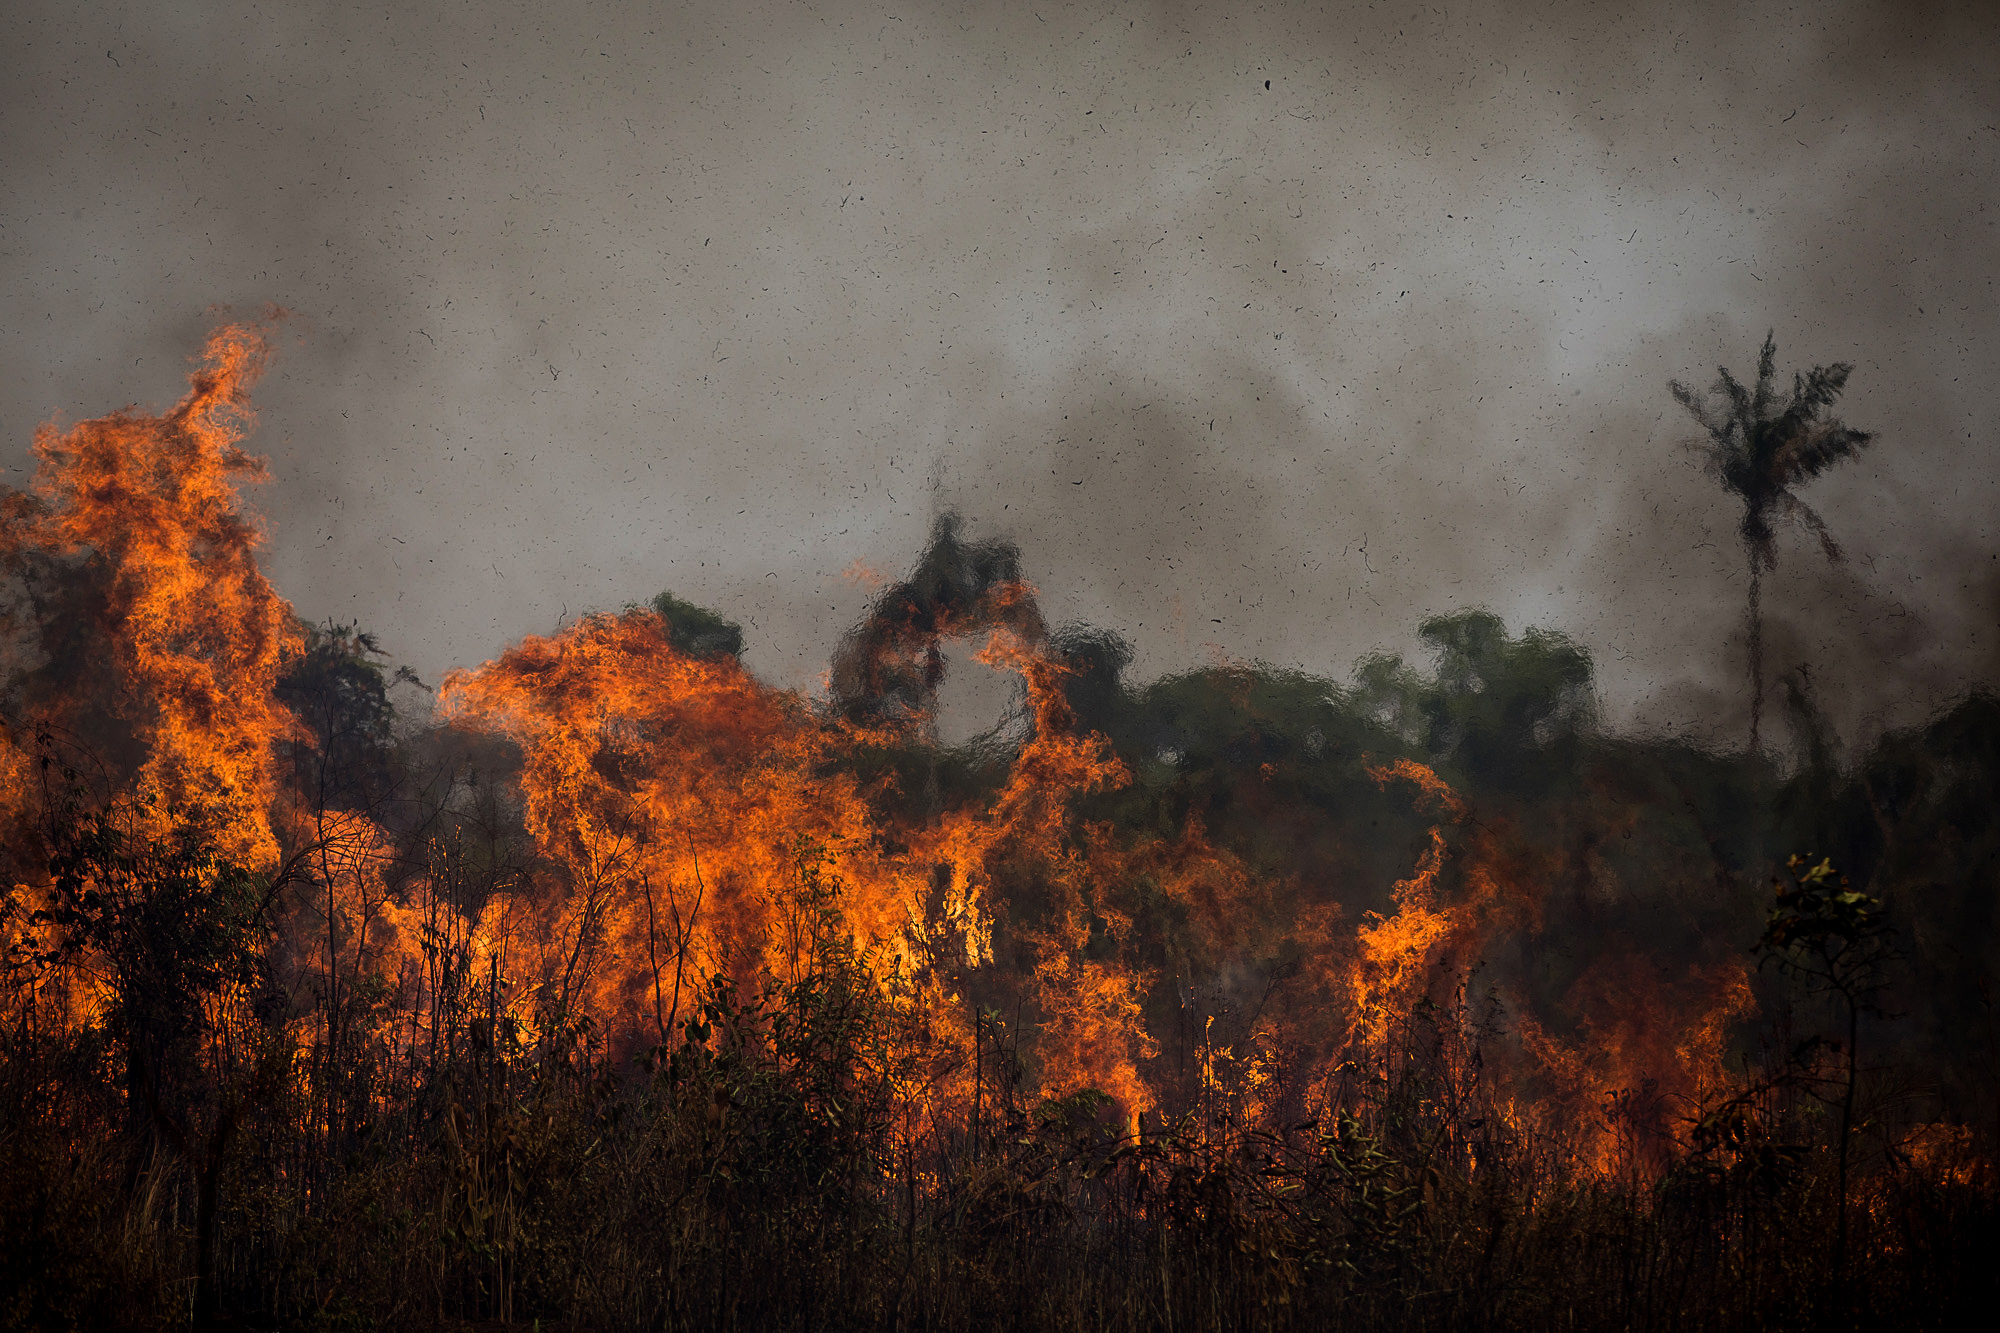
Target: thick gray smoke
x=1263, y=332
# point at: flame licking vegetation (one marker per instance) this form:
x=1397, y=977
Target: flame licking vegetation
x=622, y=988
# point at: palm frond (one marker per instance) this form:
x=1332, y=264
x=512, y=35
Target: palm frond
x=1741, y=406
x=1696, y=403
x=1816, y=446
x=1767, y=364
x=1818, y=388
x=1725, y=453
x=1758, y=454
x=1806, y=514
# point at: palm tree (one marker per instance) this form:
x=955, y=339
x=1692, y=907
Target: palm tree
x=1760, y=450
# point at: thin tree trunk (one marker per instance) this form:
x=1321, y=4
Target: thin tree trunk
x=1756, y=647
x=1846, y=1127
x=684, y=934
x=653, y=957
x=208, y=1192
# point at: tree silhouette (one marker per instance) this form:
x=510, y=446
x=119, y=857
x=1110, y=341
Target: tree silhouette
x=888, y=668
x=179, y=938
x=1760, y=450
x=1835, y=941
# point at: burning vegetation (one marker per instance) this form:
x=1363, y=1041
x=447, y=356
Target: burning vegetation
x=615, y=988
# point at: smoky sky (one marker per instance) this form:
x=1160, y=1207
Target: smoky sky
x=1266, y=331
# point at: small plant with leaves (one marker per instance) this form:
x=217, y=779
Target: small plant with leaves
x=1836, y=942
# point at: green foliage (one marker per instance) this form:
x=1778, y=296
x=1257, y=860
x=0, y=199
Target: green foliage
x=1378, y=1193
x=794, y=1080
x=1094, y=683
x=1494, y=705
x=778, y=1160
x=1836, y=941
x=1829, y=935
x=338, y=689
x=176, y=924
x=696, y=630
x=179, y=939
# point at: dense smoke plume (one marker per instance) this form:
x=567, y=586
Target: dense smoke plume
x=1266, y=333
x=1079, y=667
x=1268, y=936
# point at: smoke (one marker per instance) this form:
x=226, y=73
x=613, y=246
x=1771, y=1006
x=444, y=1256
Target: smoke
x=1150, y=868
x=1262, y=334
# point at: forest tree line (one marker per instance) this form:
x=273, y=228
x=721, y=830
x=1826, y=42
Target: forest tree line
x=606, y=986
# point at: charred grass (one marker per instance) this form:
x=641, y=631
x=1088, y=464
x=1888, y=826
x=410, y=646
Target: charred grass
x=726, y=1185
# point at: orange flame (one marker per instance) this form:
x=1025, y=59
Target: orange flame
x=196, y=632
x=692, y=822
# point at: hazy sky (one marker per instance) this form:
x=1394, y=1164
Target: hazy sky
x=1265, y=330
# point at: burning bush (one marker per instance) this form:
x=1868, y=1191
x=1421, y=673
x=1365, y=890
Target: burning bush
x=630, y=991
